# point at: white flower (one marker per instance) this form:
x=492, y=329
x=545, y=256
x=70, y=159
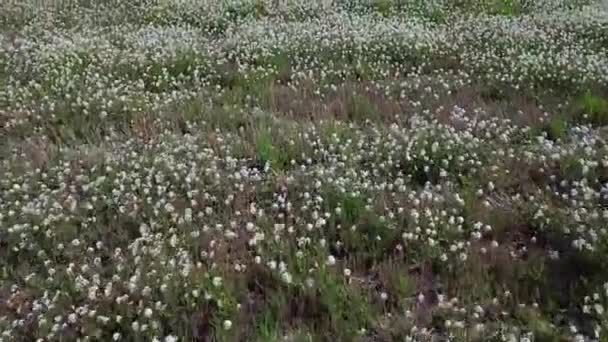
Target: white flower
x=598, y=308
x=103, y=319
x=173, y=241
x=331, y=260
x=286, y=277
x=217, y=281
x=169, y=208
x=227, y=324
x=72, y=318
x=135, y=326
x=421, y=298
x=170, y=338
x=92, y=293
x=188, y=215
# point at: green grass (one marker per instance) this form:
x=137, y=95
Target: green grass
x=508, y=7
x=595, y=108
x=348, y=310
x=557, y=128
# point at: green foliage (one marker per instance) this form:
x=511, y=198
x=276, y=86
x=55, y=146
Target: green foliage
x=595, y=107
x=360, y=109
x=269, y=321
x=352, y=208
x=363, y=233
x=384, y=7
x=557, y=129
x=266, y=151
x=403, y=285
x=260, y=9
x=508, y=7
x=437, y=16
x=249, y=91
x=542, y=329
x=281, y=64
x=275, y=145
x=570, y=168
x=348, y=310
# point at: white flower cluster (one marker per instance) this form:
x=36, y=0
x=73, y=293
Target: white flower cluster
x=160, y=178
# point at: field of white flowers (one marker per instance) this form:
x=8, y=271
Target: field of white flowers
x=262, y=170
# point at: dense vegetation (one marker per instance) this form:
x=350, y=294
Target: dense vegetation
x=356, y=170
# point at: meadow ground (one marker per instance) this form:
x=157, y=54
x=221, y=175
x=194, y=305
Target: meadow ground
x=387, y=170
